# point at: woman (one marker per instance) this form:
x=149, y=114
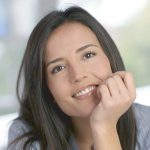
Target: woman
x=76, y=92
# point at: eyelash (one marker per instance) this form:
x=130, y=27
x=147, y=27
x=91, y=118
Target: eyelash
x=54, y=70
x=89, y=52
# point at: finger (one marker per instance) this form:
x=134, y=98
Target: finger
x=103, y=92
x=122, y=74
x=112, y=86
x=121, y=85
x=129, y=81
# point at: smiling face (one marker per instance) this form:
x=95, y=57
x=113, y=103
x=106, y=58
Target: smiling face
x=75, y=65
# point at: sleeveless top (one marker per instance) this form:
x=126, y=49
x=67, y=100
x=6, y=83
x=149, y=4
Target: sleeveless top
x=142, y=116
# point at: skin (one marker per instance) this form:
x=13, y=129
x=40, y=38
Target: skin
x=92, y=117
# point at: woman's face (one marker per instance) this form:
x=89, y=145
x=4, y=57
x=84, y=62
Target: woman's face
x=75, y=66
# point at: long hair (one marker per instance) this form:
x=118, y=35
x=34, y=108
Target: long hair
x=50, y=127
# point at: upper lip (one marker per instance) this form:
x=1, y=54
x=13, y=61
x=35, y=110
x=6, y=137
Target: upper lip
x=83, y=87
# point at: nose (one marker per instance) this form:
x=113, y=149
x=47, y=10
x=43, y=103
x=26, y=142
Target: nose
x=77, y=74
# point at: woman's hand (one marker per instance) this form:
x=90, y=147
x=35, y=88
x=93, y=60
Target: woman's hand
x=116, y=95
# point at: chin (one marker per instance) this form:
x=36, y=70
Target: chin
x=86, y=113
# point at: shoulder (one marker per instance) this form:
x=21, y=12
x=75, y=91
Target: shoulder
x=17, y=129
x=142, y=116
x=19, y=125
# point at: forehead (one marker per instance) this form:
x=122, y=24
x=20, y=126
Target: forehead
x=69, y=37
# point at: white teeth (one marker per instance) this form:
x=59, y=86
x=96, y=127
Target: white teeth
x=85, y=91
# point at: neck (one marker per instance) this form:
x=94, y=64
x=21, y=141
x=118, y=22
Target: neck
x=82, y=132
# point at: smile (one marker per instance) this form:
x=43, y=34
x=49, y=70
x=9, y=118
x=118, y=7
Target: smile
x=85, y=92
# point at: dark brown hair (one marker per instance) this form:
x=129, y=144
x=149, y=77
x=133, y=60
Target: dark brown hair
x=50, y=127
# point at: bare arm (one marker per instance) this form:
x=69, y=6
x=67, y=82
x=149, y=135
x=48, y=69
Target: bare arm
x=106, y=139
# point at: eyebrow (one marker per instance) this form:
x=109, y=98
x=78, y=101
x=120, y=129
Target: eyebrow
x=77, y=51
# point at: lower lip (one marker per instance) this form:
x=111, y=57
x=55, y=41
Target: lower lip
x=82, y=97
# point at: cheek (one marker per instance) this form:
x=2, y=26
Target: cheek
x=101, y=67
x=57, y=88
x=61, y=95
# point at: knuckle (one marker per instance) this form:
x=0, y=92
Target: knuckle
x=109, y=80
x=117, y=77
x=128, y=74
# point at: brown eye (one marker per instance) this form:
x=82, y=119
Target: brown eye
x=57, y=69
x=89, y=55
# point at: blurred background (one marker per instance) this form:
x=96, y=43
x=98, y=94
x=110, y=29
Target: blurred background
x=127, y=22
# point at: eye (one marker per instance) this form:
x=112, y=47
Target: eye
x=57, y=69
x=89, y=54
